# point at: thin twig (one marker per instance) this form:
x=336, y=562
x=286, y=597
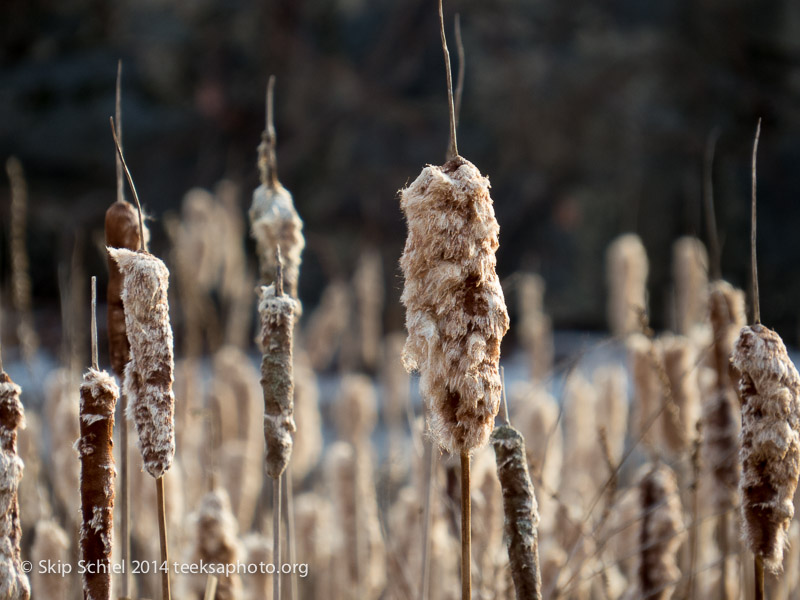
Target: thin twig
x=278, y=271
x=506, y=414
x=461, y=68
x=753, y=264
x=211, y=587
x=267, y=153
x=130, y=183
x=162, y=534
x=429, y=458
x=452, y=149
x=466, y=525
x=758, y=563
x=290, y=531
x=94, y=323
x=276, y=536
x=708, y=197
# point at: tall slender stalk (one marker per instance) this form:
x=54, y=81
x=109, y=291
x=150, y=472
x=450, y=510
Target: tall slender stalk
x=466, y=533
x=276, y=537
x=162, y=535
x=428, y=457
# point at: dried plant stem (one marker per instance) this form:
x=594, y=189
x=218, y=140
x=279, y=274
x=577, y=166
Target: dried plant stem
x=118, y=116
x=268, y=156
x=466, y=527
x=753, y=263
x=211, y=587
x=276, y=537
x=124, y=501
x=758, y=563
x=724, y=548
x=162, y=534
x=452, y=149
x=708, y=197
x=429, y=457
x=94, y=323
x=290, y=531
x=130, y=182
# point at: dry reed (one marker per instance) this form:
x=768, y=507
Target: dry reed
x=535, y=328
x=626, y=274
x=680, y=367
x=690, y=274
x=50, y=543
x=327, y=324
x=307, y=446
x=369, y=293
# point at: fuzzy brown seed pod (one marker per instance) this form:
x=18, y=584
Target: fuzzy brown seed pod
x=274, y=222
x=277, y=324
x=455, y=310
x=626, y=273
x=356, y=410
x=644, y=355
x=50, y=543
x=149, y=373
x=611, y=383
x=521, y=511
x=690, y=274
x=99, y=394
x=13, y=581
x=660, y=538
x=770, y=440
x=122, y=231
x=720, y=447
x=727, y=315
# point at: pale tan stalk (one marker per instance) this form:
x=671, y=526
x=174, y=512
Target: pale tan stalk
x=368, y=286
x=690, y=276
x=535, y=328
x=62, y=401
x=307, y=446
x=626, y=274
x=327, y=324
x=680, y=366
x=50, y=543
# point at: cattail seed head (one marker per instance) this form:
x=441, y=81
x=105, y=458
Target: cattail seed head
x=455, y=311
x=356, y=411
x=626, y=273
x=122, y=231
x=727, y=316
x=13, y=581
x=149, y=374
x=690, y=273
x=277, y=324
x=680, y=366
x=274, y=222
x=99, y=394
x=770, y=440
x=50, y=543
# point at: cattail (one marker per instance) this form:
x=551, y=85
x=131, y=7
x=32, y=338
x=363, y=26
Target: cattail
x=258, y=551
x=660, y=539
x=50, y=543
x=455, y=311
x=581, y=445
x=690, y=274
x=327, y=324
x=99, y=394
x=770, y=440
x=727, y=315
x=62, y=415
x=521, y=511
x=216, y=544
x=278, y=313
x=31, y=493
x=368, y=286
x=626, y=273
x=149, y=374
x=356, y=409
x=490, y=557
x=611, y=384
x=307, y=446
x=537, y=414
x=13, y=581
x=680, y=366
x=536, y=330
x=274, y=222
x=122, y=231
x=315, y=542
x=644, y=356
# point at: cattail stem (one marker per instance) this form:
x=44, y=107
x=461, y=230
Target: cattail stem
x=211, y=587
x=506, y=414
x=130, y=182
x=94, y=323
x=753, y=263
x=708, y=193
x=452, y=149
x=276, y=537
x=162, y=534
x=758, y=562
x=466, y=528
x=290, y=533
x=429, y=457
x=724, y=543
x=118, y=116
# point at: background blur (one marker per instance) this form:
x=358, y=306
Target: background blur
x=590, y=118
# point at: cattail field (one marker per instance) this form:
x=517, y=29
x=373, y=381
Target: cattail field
x=427, y=300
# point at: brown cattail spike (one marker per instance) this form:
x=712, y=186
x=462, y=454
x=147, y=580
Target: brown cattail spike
x=753, y=262
x=149, y=374
x=521, y=511
x=14, y=583
x=276, y=340
x=770, y=451
x=99, y=394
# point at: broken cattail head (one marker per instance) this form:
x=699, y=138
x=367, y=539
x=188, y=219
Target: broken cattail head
x=770, y=441
x=149, y=374
x=455, y=310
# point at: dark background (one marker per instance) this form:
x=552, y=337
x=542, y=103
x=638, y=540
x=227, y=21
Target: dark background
x=590, y=118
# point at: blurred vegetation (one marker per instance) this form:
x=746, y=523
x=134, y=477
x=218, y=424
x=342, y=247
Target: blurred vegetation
x=590, y=118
